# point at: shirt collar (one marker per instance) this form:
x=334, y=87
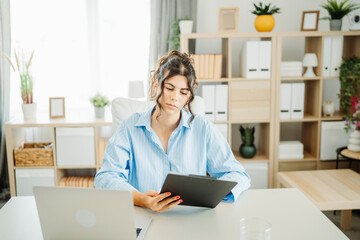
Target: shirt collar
x=145, y=119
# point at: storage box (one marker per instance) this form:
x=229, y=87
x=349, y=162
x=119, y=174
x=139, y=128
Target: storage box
x=332, y=137
x=34, y=154
x=291, y=150
x=26, y=179
x=75, y=146
x=258, y=173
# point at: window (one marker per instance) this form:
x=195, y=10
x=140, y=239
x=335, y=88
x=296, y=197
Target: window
x=81, y=47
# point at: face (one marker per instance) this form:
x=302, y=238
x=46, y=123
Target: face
x=175, y=95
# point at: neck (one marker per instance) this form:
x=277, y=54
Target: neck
x=165, y=121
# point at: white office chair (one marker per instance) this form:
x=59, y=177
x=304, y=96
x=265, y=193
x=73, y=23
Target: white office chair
x=122, y=108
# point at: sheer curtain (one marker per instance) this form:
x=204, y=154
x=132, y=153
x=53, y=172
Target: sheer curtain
x=81, y=47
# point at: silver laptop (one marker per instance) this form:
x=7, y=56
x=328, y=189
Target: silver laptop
x=82, y=213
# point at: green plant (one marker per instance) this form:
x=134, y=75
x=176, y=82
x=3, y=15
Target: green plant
x=338, y=11
x=247, y=135
x=99, y=101
x=26, y=79
x=175, y=33
x=265, y=10
x=350, y=90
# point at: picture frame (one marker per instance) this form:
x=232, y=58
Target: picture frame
x=57, y=107
x=310, y=20
x=228, y=20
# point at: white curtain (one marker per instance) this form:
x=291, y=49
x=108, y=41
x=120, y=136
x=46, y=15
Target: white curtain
x=4, y=90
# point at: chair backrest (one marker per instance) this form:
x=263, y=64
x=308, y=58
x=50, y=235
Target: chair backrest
x=123, y=108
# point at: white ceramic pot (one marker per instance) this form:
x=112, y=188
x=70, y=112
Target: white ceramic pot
x=99, y=112
x=354, y=141
x=29, y=111
x=329, y=108
x=185, y=26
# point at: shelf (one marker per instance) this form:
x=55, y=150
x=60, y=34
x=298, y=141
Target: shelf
x=77, y=167
x=228, y=35
x=300, y=78
x=249, y=79
x=307, y=158
x=249, y=121
x=307, y=118
x=337, y=117
x=220, y=122
x=34, y=167
x=257, y=158
x=205, y=80
x=329, y=78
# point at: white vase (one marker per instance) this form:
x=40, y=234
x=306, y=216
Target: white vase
x=185, y=26
x=99, y=112
x=354, y=141
x=29, y=111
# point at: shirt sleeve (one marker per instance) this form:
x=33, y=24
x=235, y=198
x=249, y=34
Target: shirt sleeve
x=114, y=172
x=221, y=162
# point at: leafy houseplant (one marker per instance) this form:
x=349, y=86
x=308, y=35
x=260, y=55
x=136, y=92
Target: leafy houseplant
x=99, y=102
x=350, y=91
x=175, y=33
x=337, y=12
x=264, y=21
x=247, y=148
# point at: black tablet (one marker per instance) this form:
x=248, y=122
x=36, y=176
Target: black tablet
x=194, y=190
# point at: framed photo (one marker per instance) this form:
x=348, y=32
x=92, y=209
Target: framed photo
x=57, y=107
x=228, y=20
x=310, y=21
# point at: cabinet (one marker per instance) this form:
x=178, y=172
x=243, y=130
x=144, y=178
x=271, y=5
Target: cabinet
x=88, y=136
x=256, y=101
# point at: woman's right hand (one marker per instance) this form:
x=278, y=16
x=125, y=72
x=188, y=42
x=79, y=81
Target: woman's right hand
x=155, y=201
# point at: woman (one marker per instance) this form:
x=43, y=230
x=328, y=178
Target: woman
x=168, y=138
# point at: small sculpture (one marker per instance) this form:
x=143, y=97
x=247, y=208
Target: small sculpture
x=329, y=108
x=247, y=148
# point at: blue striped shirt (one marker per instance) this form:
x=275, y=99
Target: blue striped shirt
x=135, y=159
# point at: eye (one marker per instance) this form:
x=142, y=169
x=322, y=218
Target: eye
x=170, y=89
x=184, y=93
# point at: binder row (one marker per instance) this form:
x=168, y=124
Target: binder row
x=256, y=59
x=207, y=65
x=75, y=181
x=216, y=101
x=332, y=55
x=292, y=97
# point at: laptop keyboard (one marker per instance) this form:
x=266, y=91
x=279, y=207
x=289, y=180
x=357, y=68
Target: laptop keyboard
x=138, y=230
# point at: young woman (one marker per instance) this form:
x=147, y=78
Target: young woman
x=168, y=138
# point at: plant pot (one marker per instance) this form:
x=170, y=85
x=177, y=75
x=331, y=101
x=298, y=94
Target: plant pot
x=354, y=141
x=29, y=111
x=264, y=23
x=247, y=151
x=99, y=112
x=185, y=26
x=335, y=24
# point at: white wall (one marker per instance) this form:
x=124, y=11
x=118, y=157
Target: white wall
x=288, y=20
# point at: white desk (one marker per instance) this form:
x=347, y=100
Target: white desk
x=291, y=214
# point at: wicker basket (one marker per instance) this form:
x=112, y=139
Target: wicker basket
x=32, y=155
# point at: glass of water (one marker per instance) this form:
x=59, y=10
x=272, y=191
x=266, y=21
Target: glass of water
x=252, y=228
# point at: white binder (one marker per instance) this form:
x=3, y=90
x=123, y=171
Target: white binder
x=208, y=94
x=221, y=102
x=285, y=100
x=264, y=59
x=250, y=60
x=336, y=55
x=326, y=56
x=297, y=100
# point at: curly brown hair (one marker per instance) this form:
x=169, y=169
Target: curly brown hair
x=172, y=64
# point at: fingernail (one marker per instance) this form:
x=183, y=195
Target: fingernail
x=177, y=197
x=168, y=194
x=180, y=201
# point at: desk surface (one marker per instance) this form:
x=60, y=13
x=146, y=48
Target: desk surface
x=292, y=215
x=337, y=189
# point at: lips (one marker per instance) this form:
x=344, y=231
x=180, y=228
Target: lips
x=170, y=105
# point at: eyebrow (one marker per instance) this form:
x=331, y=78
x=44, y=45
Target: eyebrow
x=180, y=89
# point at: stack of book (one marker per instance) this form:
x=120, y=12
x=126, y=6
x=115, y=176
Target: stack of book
x=75, y=181
x=291, y=150
x=208, y=66
x=291, y=69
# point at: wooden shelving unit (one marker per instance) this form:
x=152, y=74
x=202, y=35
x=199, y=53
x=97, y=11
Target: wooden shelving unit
x=245, y=96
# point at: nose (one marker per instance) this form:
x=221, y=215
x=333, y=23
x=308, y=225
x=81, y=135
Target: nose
x=175, y=95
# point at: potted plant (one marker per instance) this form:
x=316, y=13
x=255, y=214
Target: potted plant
x=99, y=102
x=264, y=21
x=179, y=25
x=337, y=12
x=247, y=148
x=350, y=98
x=23, y=67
